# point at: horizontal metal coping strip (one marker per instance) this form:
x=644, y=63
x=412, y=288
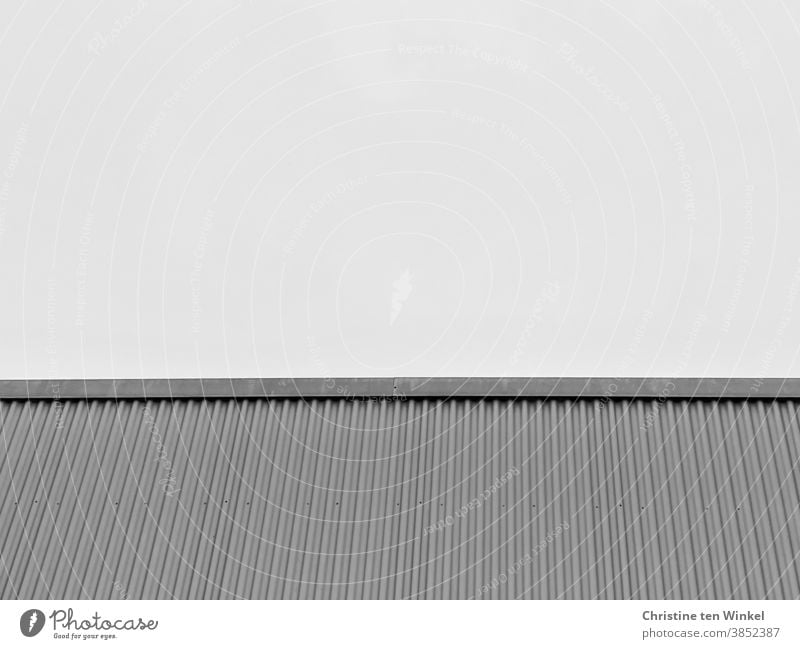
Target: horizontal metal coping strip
x=404, y=388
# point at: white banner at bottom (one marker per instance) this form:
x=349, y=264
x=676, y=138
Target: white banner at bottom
x=378, y=625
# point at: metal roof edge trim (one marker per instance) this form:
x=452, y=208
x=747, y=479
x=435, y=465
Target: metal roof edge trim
x=403, y=388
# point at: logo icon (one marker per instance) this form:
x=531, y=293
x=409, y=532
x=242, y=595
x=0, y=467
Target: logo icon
x=31, y=622
x=402, y=288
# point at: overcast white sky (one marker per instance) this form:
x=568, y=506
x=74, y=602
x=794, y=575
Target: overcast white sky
x=380, y=188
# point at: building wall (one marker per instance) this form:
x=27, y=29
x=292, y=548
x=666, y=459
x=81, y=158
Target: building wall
x=407, y=498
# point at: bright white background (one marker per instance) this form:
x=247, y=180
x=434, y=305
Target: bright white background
x=432, y=187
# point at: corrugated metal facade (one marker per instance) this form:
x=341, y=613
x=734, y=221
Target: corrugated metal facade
x=414, y=498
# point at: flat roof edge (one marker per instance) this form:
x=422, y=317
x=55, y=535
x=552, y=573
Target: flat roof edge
x=404, y=388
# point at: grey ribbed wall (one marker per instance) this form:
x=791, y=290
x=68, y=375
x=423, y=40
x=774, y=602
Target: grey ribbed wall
x=331, y=498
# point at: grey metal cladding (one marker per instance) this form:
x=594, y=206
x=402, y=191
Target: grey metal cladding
x=652, y=498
